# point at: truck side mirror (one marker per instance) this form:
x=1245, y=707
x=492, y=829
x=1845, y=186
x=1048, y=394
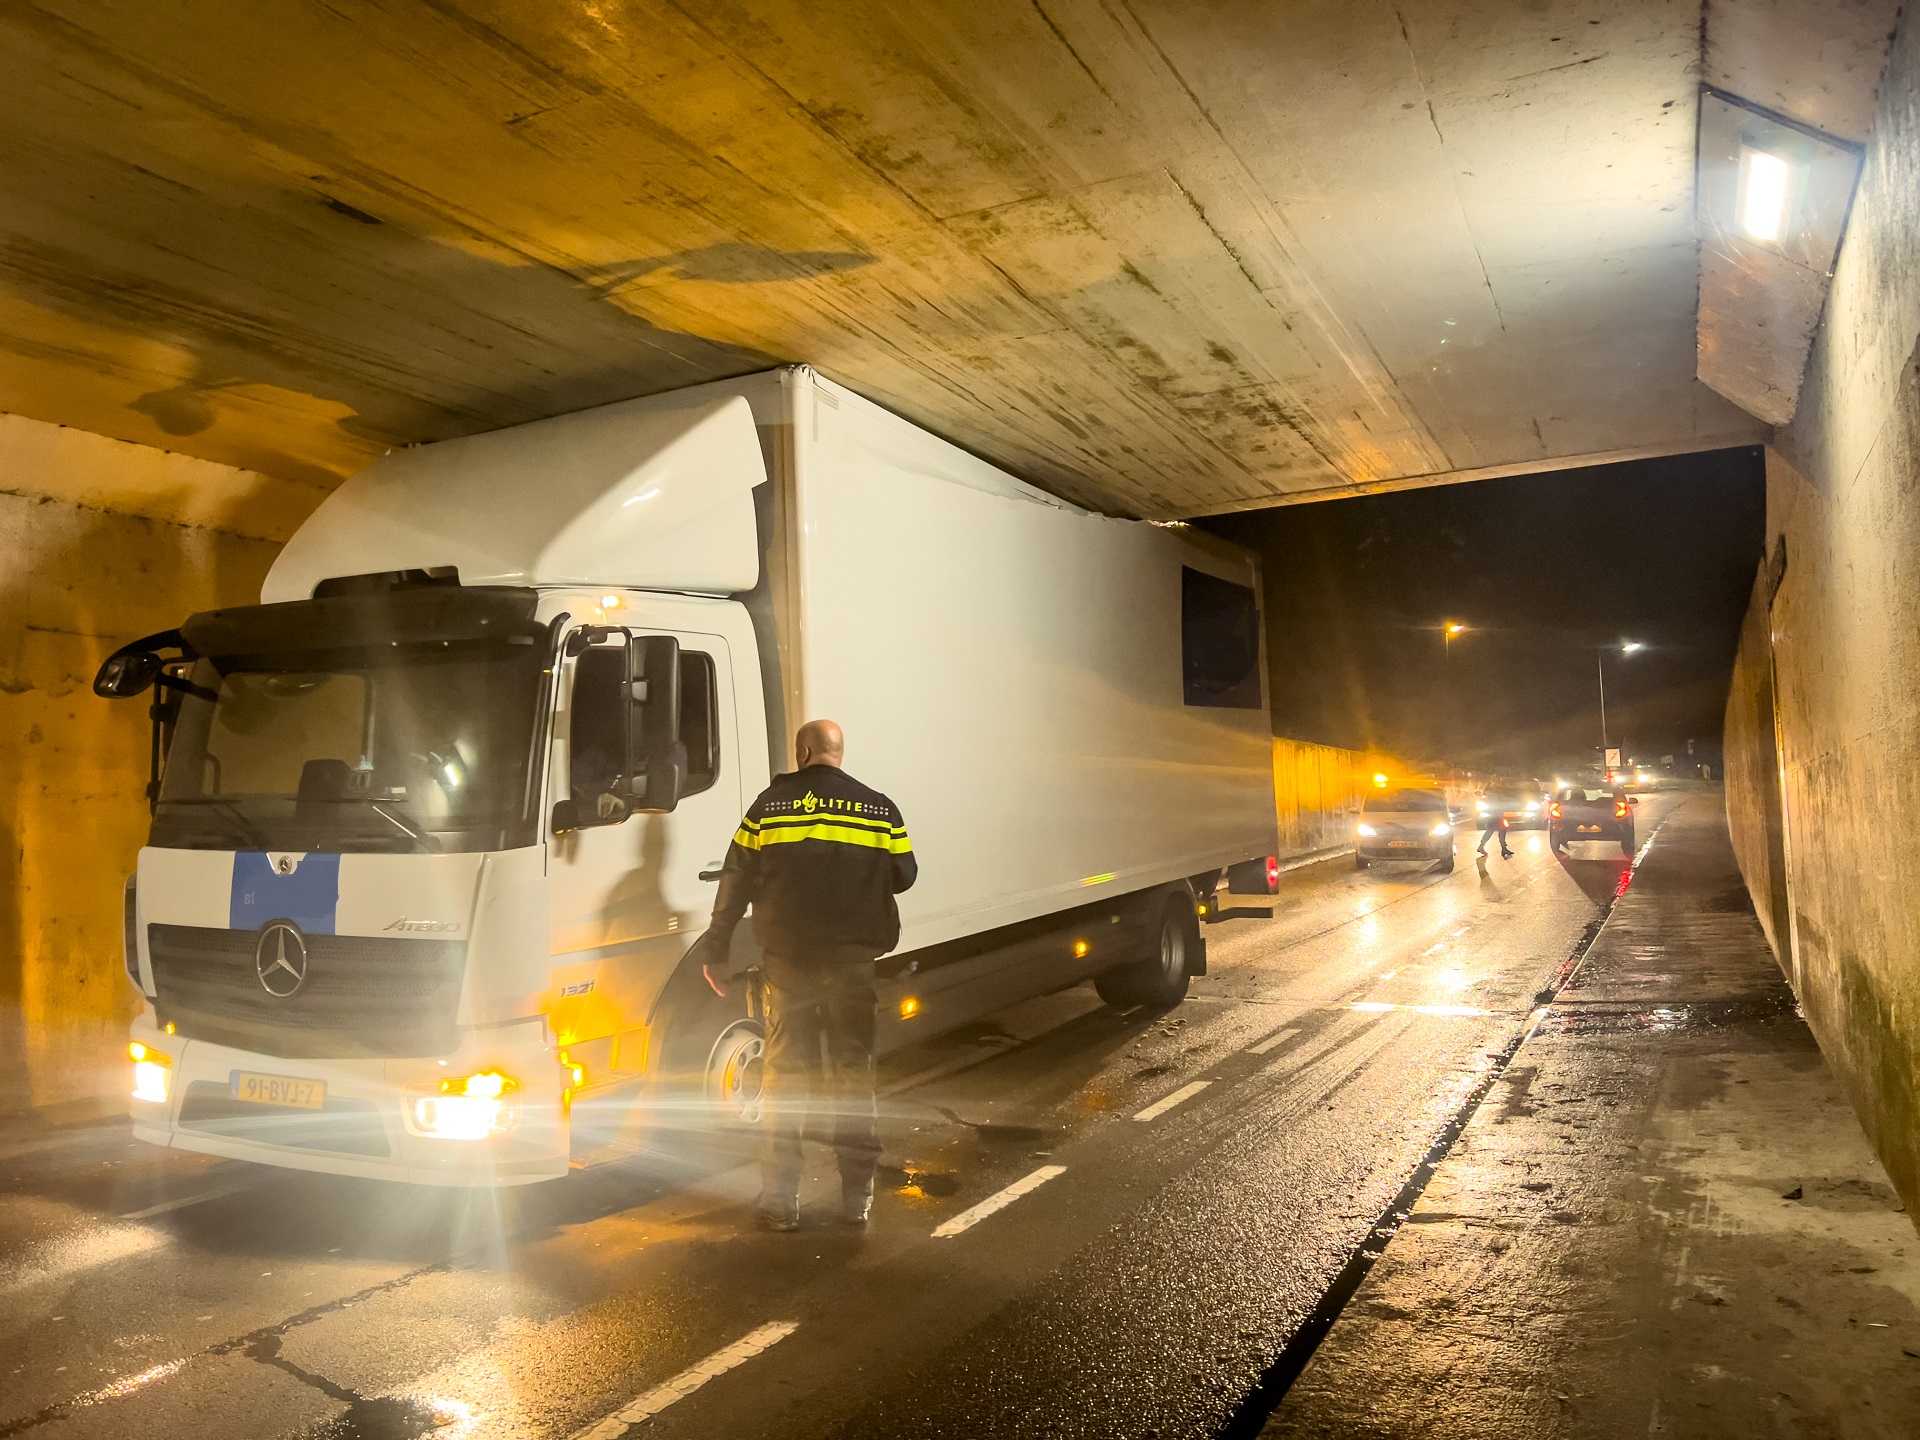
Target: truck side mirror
x=126, y=674
x=599, y=738
x=659, y=759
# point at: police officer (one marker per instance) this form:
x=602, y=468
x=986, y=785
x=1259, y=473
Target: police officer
x=820, y=857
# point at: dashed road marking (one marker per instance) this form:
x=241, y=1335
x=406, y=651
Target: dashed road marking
x=1272, y=1040
x=1178, y=1097
x=1380, y=1007
x=969, y=1218
x=233, y=1187
x=688, y=1381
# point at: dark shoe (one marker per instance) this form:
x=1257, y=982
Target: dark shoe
x=781, y=1215
x=1506, y=854
x=856, y=1203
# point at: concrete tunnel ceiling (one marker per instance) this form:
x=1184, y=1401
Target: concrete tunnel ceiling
x=1165, y=258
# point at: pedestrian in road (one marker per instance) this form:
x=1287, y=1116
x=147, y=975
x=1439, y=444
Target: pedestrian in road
x=819, y=857
x=1496, y=825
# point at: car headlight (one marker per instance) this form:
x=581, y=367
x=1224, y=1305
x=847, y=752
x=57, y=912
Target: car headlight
x=1532, y=807
x=152, y=1073
x=1443, y=828
x=1367, y=829
x=469, y=1107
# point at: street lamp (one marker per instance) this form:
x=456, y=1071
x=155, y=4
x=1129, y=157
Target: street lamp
x=1626, y=647
x=1448, y=632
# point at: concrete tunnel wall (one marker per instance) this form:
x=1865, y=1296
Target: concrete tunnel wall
x=104, y=541
x=1826, y=830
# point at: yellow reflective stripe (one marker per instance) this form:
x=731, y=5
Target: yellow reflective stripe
x=831, y=818
x=836, y=833
x=746, y=839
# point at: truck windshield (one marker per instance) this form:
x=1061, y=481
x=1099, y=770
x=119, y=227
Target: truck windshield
x=364, y=724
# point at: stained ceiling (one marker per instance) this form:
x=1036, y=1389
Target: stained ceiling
x=1164, y=257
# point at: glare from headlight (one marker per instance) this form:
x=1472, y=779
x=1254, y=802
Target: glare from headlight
x=152, y=1073
x=1443, y=828
x=1367, y=830
x=470, y=1108
x=1532, y=805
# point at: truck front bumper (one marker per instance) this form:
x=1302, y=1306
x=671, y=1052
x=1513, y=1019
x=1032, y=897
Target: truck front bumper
x=361, y=1128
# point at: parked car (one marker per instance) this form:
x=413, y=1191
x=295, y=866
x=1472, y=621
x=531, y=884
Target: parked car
x=1404, y=824
x=1591, y=812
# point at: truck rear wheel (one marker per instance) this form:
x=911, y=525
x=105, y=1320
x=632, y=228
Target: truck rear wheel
x=1161, y=977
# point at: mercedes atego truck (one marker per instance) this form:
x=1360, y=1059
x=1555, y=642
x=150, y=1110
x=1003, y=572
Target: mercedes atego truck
x=436, y=823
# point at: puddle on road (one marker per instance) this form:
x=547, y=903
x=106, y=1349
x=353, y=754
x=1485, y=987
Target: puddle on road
x=908, y=1179
x=1694, y=1016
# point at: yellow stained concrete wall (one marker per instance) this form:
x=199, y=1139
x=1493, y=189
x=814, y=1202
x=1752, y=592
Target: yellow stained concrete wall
x=100, y=541
x=1317, y=790
x=1842, y=632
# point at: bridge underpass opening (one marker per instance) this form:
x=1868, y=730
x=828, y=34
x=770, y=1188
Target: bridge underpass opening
x=1160, y=262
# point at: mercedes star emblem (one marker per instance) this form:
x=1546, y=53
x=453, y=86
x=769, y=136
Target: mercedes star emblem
x=280, y=959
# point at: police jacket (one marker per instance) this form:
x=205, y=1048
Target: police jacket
x=820, y=857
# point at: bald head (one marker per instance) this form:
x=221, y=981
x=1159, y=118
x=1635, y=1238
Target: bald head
x=819, y=742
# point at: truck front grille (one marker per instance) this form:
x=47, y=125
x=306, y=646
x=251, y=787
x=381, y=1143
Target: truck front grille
x=363, y=995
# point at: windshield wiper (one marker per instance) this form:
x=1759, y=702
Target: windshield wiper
x=249, y=832
x=427, y=841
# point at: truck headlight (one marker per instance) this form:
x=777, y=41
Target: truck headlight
x=1366, y=830
x=469, y=1107
x=152, y=1073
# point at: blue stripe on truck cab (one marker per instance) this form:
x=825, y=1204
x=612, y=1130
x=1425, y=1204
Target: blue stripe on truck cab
x=309, y=896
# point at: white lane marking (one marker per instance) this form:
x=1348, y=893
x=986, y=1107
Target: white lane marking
x=1379, y=1007
x=1178, y=1097
x=1461, y=931
x=969, y=1218
x=688, y=1381
x=1272, y=1040
x=168, y=1206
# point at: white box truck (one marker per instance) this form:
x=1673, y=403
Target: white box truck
x=435, y=823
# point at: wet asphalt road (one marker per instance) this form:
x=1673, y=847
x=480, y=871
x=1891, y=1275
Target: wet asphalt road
x=1141, y=1287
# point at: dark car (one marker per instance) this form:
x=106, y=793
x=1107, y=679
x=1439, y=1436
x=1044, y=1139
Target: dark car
x=1404, y=825
x=1591, y=812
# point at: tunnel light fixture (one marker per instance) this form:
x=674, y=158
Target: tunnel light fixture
x=909, y=1008
x=1081, y=947
x=1765, y=188
x=1380, y=781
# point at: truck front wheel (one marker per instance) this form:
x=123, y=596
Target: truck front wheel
x=1160, y=978
x=735, y=1075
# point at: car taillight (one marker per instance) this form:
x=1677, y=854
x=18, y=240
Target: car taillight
x=1554, y=810
x=1620, y=808
x=1273, y=872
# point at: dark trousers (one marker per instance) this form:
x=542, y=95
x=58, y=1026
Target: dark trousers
x=1495, y=826
x=819, y=1064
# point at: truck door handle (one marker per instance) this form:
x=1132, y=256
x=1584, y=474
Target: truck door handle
x=712, y=872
